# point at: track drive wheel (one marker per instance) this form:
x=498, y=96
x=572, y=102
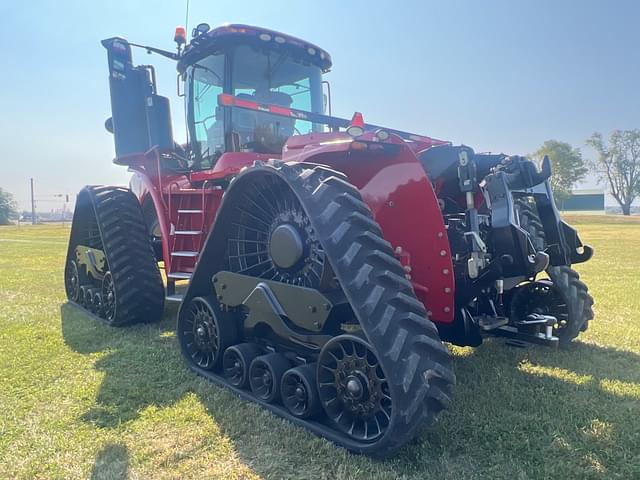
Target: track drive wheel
x=236, y=361
x=204, y=332
x=265, y=375
x=299, y=391
x=353, y=389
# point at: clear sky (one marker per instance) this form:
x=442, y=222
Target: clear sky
x=499, y=75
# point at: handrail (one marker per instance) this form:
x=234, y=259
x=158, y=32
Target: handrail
x=228, y=100
x=204, y=187
x=175, y=182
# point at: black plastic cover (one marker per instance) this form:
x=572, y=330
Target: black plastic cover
x=140, y=118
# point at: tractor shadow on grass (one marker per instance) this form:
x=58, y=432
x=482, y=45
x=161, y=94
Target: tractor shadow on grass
x=141, y=364
x=542, y=413
x=527, y=410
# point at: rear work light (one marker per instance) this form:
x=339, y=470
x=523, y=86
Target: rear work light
x=382, y=135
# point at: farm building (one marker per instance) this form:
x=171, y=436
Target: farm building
x=583, y=200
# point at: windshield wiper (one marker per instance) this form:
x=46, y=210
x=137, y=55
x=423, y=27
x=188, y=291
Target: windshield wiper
x=207, y=69
x=272, y=69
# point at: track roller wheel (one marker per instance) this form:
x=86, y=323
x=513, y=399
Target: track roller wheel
x=97, y=302
x=82, y=294
x=265, y=375
x=353, y=389
x=299, y=391
x=109, y=302
x=236, y=361
x=72, y=281
x=204, y=332
x=89, y=299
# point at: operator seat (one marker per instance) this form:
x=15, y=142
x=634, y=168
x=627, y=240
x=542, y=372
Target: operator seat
x=285, y=125
x=245, y=121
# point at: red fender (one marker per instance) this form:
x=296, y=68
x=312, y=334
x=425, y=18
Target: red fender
x=395, y=186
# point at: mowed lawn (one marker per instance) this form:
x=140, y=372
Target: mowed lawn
x=79, y=399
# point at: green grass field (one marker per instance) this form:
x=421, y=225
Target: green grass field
x=79, y=399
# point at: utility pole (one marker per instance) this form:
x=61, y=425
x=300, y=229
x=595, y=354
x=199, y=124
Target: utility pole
x=33, y=205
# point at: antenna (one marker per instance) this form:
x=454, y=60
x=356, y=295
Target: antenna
x=186, y=18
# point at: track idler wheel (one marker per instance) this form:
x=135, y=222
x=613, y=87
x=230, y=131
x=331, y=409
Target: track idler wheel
x=353, y=389
x=204, y=332
x=236, y=361
x=72, y=281
x=265, y=375
x=299, y=391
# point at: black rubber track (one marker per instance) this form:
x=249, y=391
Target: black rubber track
x=125, y=243
x=574, y=290
x=579, y=301
x=413, y=358
x=530, y=222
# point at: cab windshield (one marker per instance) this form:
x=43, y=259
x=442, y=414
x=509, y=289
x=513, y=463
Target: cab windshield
x=274, y=78
x=263, y=76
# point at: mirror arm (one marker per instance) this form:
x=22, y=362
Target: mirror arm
x=164, y=53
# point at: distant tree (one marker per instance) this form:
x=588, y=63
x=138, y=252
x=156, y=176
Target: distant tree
x=567, y=166
x=619, y=163
x=7, y=207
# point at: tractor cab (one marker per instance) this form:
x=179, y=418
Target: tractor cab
x=266, y=70
x=257, y=67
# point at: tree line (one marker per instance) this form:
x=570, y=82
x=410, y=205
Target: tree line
x=617, y=163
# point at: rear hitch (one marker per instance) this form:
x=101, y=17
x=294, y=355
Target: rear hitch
x=533, y=320
x=548, y=321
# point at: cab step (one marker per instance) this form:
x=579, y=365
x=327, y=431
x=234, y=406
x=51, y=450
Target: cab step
x=179, y=275
x=185, y=253
x=176, y=297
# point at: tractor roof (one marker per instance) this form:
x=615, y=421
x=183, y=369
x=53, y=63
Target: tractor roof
x=228, y=36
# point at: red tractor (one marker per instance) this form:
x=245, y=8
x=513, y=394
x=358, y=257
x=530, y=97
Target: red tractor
x=319, y=262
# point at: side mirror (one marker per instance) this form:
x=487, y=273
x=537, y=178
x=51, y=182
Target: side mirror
x=327, y=97
x=108, y=124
